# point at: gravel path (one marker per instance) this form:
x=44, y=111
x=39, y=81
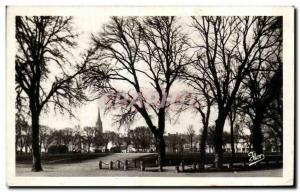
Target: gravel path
x=90, y=168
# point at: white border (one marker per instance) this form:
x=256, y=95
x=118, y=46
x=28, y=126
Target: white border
x=288, y=98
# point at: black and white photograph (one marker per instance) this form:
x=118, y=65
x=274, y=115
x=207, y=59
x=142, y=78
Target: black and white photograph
x=150, y=96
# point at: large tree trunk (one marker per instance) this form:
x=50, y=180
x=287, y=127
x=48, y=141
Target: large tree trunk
x=161, y=150
x=218, y=139
x=36, y=156
x=159, y=139
x=257, y=136
x=232, y=143
x=203, y=146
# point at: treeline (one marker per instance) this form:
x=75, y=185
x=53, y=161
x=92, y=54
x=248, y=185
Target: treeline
x=140, y=139
x=78, y=140
x=232, y=66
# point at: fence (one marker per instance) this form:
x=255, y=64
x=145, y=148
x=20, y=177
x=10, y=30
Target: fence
x=196, y=166
x=125, y=165
x=184, y=166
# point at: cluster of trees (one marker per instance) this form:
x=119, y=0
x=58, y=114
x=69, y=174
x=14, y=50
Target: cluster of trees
x=233, y=66
x=140, y=138
x=82, y=140
x=47, y=137
x=23, y=134
x=190, y=141
x=239, y=73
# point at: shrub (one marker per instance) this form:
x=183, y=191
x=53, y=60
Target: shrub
x=58, y=149
x=115, y=150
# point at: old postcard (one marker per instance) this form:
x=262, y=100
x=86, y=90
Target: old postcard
x=150, y=96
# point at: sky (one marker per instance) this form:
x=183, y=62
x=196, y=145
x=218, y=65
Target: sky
x=87, y=114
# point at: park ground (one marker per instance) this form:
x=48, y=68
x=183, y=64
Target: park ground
x=90, y=168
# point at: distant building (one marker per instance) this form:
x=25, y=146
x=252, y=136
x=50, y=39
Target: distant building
x=241, y=146
x=99, y=126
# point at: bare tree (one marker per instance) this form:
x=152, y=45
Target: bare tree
x=46, y=137
x=143, y=54
x=236, y=110
x=229, y=47
x=196, y=77
x=90, y=133
x=41, y=41
x=264, y=82
x=22, y=128
x=142, y=138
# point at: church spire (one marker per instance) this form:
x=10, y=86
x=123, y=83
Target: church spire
x=99, y=122
x=99, y=118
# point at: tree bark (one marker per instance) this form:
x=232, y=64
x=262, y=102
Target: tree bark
x=203, y=146
x=36, y=156
x=218, y=139
x=159, y=139
x=232, y=143
x=257, y=136
x=161, y=150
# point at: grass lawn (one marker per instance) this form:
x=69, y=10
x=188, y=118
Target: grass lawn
x=90, y=168
x=241, y=159
x=60, y=158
